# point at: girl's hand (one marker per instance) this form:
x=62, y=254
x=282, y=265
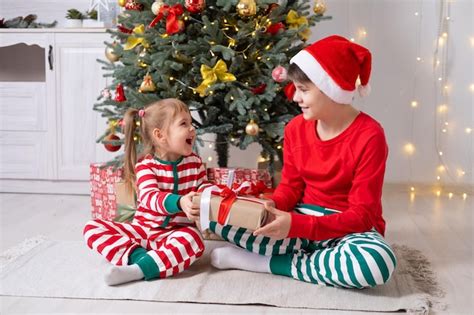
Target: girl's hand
x=191, y=210
x=277, y=228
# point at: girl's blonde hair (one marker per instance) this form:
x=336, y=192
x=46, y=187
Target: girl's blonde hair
x=155, y=115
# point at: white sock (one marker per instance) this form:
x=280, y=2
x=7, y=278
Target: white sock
x=230, y=257
x=123, y=274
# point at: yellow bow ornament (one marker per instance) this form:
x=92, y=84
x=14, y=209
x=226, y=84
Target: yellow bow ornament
x=211, y=75
x=133, y=41
x=295, y=21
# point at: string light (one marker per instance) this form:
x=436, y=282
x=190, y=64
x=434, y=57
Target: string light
x=442, y=108
x=464, y=196
x=409, y=148
x=450, y=195
x=461, y=173
x=414, y=104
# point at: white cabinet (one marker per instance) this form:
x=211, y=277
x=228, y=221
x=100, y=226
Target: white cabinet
x=49, y=81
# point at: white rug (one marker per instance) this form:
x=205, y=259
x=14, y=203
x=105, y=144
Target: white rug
x=38, y=268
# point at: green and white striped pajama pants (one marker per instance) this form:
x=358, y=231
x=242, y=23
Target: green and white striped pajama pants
x=356, y=260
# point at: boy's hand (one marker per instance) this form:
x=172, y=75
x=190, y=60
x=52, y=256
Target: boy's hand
x=270, y=216
x=277, y=228
x=191, y=210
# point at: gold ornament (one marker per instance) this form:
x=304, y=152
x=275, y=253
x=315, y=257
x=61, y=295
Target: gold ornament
x=147, y=84
x=122, y=2
x=246, y=8
x=252, y=128
x=110, y=55
x=319, y=7
x=156, y=6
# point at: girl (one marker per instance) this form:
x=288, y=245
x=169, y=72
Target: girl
x=334, y=158
x=162, y=239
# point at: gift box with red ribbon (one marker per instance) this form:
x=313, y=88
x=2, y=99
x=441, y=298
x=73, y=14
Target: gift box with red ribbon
x=237, y=206
x=103, y=180
x=230, y=176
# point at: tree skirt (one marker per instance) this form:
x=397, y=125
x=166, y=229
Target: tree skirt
x=60, y=269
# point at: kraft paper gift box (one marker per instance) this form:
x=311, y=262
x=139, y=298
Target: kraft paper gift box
x=245, y=212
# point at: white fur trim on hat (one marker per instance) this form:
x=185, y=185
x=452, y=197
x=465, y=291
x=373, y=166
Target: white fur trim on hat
x=311, y=67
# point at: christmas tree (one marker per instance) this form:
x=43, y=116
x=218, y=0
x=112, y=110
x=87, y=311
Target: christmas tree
x=226, y=59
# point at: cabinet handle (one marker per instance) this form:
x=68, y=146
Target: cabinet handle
x=50, y=57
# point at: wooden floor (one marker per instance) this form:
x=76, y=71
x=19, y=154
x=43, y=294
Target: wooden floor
x=441, y=227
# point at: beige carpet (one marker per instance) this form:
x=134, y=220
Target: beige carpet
x=40, y=268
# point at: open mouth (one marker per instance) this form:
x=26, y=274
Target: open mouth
x=189, y=141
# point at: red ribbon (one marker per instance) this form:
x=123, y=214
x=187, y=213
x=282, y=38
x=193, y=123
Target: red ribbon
x=172, y=21
x=229, y=197
x=255, y=189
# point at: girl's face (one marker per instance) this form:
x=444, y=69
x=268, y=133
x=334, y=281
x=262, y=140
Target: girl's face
x=178, y=139
x=311, y=100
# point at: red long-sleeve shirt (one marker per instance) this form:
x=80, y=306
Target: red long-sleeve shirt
x=344, y=173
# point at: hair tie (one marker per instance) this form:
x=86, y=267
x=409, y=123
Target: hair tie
x=141, y=112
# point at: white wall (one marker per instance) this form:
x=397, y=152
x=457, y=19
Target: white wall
x=396, y=36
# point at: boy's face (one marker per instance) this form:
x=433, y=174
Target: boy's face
x=310, y=99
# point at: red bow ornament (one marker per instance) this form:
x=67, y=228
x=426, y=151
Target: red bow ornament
x=173, y=23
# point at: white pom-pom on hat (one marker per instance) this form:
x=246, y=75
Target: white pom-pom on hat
x=364, y=90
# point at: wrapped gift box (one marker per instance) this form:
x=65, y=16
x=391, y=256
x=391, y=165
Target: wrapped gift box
x=245, y=212
x=229, y=176
x=103, y=196
x=277, y=171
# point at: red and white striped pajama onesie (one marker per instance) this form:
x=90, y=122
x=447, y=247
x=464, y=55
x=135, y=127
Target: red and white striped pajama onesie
x=160, y=239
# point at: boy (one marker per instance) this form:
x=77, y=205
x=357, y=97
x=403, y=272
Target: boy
x=334, y=158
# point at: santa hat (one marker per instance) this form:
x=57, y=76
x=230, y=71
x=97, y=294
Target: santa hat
x=333, y=64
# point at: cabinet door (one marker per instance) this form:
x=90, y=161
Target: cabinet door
x=79, y=80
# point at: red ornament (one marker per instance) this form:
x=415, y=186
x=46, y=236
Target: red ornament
x=259, y=89
x=119, y=93
x=195, y=6
x=110, y=147
x=279, y=74
x=133, y=5
x=289, y=90
x=275, y=28
x=123, y=29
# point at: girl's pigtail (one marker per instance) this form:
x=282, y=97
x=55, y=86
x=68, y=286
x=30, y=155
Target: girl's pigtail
x=130, y=158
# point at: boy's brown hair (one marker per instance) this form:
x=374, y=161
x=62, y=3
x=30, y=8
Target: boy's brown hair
x=296, y=74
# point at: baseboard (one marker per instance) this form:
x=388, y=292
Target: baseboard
x=44, y=187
